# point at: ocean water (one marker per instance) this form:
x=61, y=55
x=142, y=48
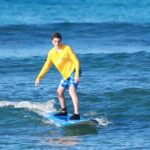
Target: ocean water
x=111, y=39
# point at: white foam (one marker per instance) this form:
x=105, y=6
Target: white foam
x=103, y=121
x=38, y=107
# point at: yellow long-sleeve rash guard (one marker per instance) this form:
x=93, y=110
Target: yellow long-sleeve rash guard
x=65, y=61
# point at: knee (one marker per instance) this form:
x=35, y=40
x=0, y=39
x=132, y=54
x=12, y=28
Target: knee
x=72, y=90
x=59, y=93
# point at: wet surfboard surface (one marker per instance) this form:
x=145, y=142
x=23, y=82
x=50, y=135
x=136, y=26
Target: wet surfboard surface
x=65, y=121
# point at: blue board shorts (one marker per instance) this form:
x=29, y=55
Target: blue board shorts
x=70, y=81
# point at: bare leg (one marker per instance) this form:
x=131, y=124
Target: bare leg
x=61, y=97
x=73, y=94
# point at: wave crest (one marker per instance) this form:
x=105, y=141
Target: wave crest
x=37, y=107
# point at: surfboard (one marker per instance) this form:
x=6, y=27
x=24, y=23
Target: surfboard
x=65, y=121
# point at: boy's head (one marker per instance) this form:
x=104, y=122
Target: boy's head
x=56, y=35
x=56, y=40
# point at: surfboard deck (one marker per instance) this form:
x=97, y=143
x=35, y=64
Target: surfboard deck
x=65, y=121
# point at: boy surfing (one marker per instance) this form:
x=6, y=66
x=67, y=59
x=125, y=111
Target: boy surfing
x=67, y=63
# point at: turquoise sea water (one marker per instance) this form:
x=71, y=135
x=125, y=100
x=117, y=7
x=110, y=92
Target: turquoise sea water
x=111, y=40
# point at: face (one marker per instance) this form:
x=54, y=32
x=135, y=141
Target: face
x=57, y=42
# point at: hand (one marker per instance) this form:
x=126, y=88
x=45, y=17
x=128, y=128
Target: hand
x=37, y=82
x=77, y=79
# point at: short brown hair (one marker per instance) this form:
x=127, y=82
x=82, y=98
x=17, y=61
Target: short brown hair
x=56, y=35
